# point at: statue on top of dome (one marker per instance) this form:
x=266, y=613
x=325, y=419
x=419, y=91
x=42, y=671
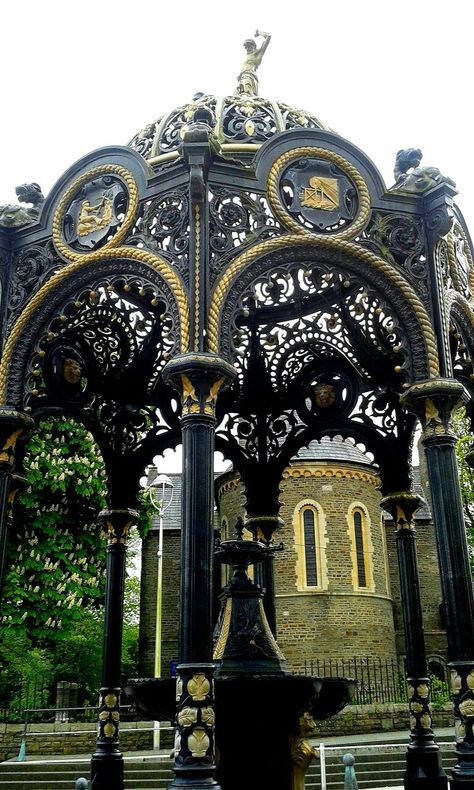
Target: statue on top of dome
x=248, y=80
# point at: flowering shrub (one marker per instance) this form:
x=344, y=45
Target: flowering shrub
x=56, y=556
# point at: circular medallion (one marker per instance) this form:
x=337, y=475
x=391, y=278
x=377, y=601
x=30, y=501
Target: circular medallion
x=96, y=212
x=313, y=190
x=327, y=395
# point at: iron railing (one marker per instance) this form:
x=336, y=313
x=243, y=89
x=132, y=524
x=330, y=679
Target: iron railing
x=18, y=693
x=379, y=681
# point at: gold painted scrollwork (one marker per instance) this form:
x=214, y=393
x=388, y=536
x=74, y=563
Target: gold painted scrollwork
x=187, y=716
x=320, y=242
x=208, y=716
x=198, y=742
x=198, y=687
x=467, y=707
x=8, y=449
x=179, y=688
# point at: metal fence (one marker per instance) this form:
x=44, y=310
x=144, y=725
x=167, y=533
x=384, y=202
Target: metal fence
x=18, y=693
x=378, y=681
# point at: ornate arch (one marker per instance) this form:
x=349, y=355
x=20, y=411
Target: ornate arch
x=361, y=262
x=128, y=262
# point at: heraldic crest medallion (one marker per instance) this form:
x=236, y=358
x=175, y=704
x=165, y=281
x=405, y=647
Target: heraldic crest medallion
x=320, y=193
x=95, y=212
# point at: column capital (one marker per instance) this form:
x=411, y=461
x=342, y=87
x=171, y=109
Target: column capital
x=117, y=523
x=199, y=378
x=402, y=505
x=433, y=402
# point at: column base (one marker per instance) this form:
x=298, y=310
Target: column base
x=193, y=780
x=107, y=770
x=462, y=777
x=424, y=771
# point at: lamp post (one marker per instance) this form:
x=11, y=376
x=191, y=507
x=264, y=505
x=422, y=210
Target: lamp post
x=157, y=498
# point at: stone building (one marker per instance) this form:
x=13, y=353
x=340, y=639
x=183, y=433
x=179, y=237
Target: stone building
x=337, y=581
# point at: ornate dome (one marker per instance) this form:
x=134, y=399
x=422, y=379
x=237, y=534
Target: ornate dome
x=241, y=124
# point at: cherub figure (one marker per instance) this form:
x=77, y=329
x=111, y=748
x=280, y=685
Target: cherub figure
x=248, y=80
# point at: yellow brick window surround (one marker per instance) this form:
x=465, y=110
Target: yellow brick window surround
x=359, y=531
x=309, y=524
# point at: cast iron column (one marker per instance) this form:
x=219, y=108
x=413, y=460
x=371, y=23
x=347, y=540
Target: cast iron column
x=433, y=402
x=423, y=759
x=199, y=378
x=107, y=760
x=12, y=424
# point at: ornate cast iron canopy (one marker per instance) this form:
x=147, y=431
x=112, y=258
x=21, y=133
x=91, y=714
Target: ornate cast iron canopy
x=241, y=277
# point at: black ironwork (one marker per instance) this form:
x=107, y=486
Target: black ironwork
x=423, y=766
x=260, y=290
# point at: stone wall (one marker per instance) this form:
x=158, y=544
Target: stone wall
x=360, y=719
x=332, y=623
x=354, y=719
x=69, y=738
x=339, y=621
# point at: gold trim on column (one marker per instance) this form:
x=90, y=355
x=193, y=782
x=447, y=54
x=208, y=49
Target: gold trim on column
x=197, y=275
x=224, y=633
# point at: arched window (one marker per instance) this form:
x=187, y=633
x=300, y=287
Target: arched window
x=310, y=548
x=310, y=540
x=224, y=528
x=361, y=547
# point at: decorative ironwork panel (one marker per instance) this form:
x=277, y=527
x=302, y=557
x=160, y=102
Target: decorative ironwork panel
x=31, y=268
x=238, y=219
x=163, y=226
x=317, y=353
x=400, y=240
x=101, y=356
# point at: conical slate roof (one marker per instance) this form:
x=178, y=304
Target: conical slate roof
x=335, y=449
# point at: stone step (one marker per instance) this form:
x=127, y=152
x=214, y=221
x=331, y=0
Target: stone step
x=140, y=774
x=374, y=770
x=370, y=774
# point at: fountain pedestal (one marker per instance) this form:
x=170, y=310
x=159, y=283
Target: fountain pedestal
x=262, y=711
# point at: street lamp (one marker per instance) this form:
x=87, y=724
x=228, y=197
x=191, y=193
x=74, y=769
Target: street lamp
x=161, y=502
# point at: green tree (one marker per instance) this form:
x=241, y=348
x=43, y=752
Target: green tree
x=466, y=476
x=51, y=625
x=56, y=558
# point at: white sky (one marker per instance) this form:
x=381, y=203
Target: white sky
x=79, y=76
x=385, y=75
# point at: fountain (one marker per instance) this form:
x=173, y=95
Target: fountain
x=262, y=711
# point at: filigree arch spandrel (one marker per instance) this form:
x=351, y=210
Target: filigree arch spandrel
x=340, y=256
x=461, y=340
x=152, y=273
